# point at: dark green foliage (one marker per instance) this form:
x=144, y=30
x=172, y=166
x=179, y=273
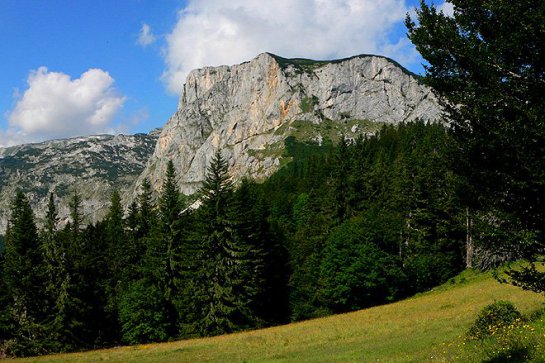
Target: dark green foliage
x=493, y=317
x=487, y=66
x=337, y=229
x=529, y=278
x=355, y=273
x=265, y=265
x=24, y=282
x=399, y=189
x=142, y=313
x=222, y=297
x=56, y=266
x=165, y=247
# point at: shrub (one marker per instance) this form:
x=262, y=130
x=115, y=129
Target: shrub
x=494, y=317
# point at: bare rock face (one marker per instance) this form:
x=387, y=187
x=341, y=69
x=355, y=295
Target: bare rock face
x=93, y=166
x=248, y=110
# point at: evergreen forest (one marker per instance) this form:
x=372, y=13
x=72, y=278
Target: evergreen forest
x=340, y=228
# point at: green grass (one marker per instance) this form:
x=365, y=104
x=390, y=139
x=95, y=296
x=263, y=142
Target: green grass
x=427, y=327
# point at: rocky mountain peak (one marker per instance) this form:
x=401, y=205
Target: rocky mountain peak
x=248, y=110
x=94, y=165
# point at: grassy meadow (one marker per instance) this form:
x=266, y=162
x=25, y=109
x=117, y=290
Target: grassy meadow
x=427, y=327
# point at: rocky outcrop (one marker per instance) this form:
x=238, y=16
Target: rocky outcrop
x=93, y=166
x=248, y=110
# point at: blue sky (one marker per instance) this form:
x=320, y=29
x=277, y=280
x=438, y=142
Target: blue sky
x=77, y=67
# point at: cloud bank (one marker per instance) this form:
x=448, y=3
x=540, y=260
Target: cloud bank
x=56, y=106
x=215, y=32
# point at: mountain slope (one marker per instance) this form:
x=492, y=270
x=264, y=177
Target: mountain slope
x=93, y=165
x=248, y=110
x=413, y=330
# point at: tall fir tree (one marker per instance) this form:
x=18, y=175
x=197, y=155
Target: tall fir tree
x=169, y=249
x=220, y=304
x=486, y=64
x=58, y=276
x=24, y=276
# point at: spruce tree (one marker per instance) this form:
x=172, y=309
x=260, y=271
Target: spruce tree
x=52, y=247
x=118, y=255
x=219, y=305
x=24, y=276
x=146, y=207
x=58, y=276
x=486, y=65
x=168, y=250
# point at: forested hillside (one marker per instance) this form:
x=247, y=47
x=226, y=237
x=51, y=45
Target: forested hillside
x=341, y=228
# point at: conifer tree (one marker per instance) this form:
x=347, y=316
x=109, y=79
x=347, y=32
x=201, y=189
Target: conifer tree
x=486, y=65
x=25, y=279
x=57, y=274
x=75, y=225
x=52, y=247
x=146, y=208
x=341, y=179
x=219, y=305
x=168, y=251
x=116, y=239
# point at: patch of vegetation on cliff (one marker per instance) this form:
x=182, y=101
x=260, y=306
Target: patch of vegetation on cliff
x=308, y=103
x=329, y=130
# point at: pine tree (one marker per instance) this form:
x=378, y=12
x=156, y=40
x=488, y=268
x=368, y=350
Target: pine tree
x=341, y=176
x=486, y=65
x=170, y=244
x=252, y=233
x=118, y=255
x=219, y=304
x=75, y=225
x=116, y=239
x=146, y=215
x=25, y=279
x=52, y=247
x=58, y=276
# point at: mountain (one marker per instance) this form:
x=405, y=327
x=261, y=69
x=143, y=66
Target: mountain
x=93, y=166
x=249, y=110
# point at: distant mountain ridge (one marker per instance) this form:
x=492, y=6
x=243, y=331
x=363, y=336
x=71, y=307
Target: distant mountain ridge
x=93, y=165
x=248, y=111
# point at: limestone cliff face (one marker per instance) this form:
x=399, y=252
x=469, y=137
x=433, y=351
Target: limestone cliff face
x=248, y=110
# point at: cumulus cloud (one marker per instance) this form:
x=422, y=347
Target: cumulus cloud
x=215, y=32
x=146, y=37
x=56, y=106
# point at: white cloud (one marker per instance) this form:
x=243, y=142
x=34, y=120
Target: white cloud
x=215, y=32
x=447, y=8
x=146, y=37
x=55, y=106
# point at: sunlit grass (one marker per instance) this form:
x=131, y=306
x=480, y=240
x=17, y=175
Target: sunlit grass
x=413, y=330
